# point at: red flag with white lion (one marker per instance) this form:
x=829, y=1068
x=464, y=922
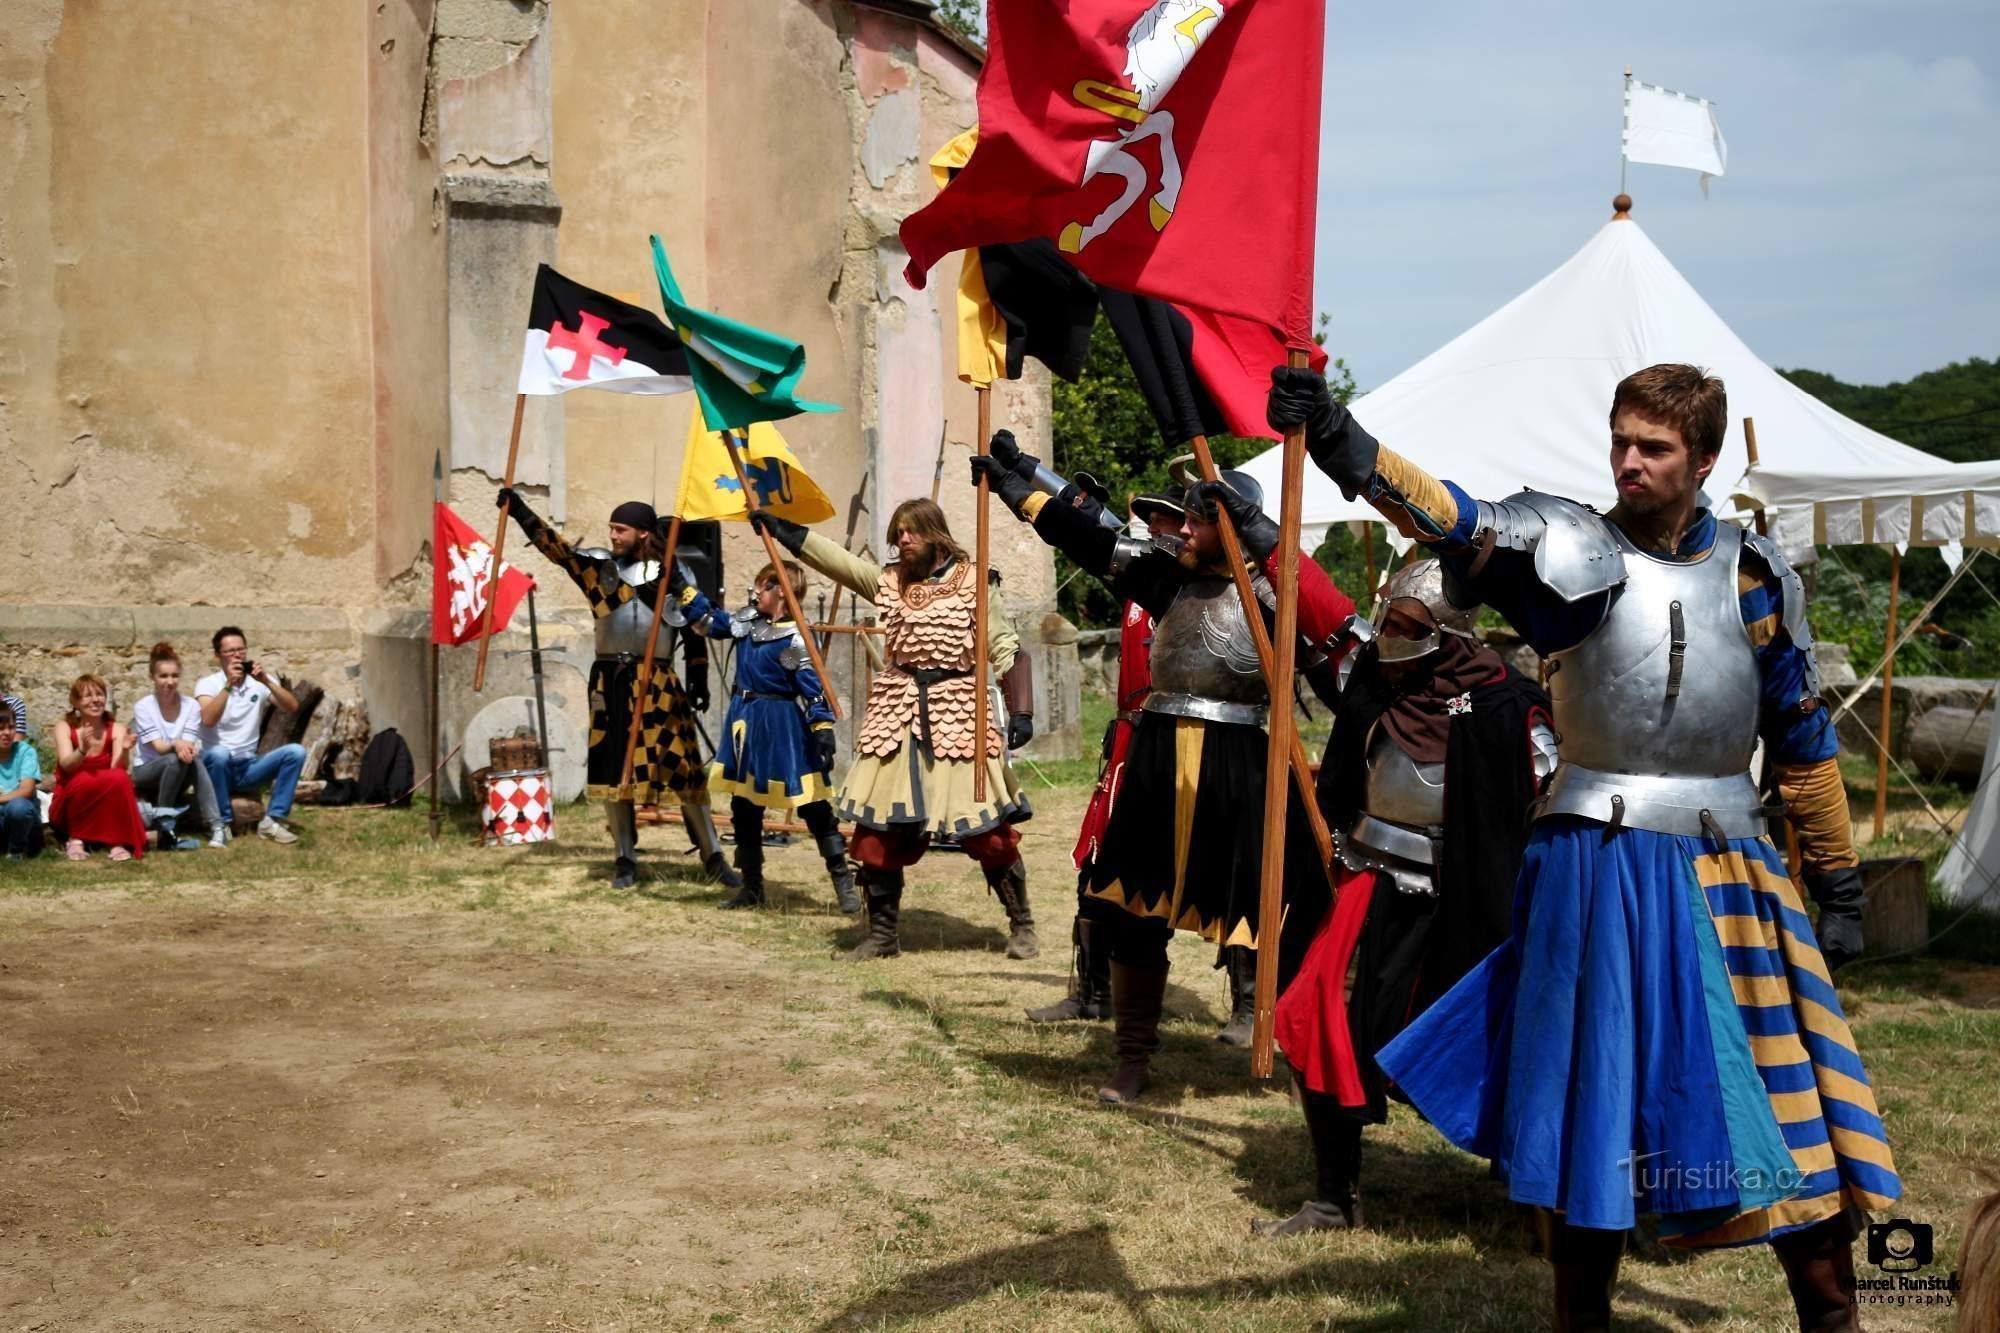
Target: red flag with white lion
x=462, y=581
x=1169, y=147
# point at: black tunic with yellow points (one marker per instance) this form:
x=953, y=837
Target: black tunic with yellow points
x=668, y=759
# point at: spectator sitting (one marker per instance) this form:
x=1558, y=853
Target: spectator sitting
x=94, y=802
x=20, y=777
x=232, y=720
x=15, y=705
x=166, y=752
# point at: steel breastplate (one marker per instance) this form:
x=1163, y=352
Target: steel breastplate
x=1202, y=647
x=1397, y=834
x=624, y=630
x=1657, y=709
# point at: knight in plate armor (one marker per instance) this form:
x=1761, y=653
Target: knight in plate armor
x=1089, y=994
x=1438, y=751
x=1660, y=1032
x=777, y=742
x=915, y=747
x=621, y=585
x=1183, y=847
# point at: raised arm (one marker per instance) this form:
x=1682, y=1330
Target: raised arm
x=597, y=578
x=1132, y=569
x=830, y=558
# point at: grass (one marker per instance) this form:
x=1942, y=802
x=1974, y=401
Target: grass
x=903, y=1150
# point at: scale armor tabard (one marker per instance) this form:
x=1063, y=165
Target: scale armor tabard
x=926, y=627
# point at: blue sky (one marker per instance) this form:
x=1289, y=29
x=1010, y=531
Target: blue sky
x=1467, y=149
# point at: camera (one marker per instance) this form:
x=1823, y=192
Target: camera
x=1899, y=1245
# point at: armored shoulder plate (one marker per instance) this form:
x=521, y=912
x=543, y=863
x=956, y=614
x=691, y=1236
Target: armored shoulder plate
x=1794, y=615
x=593, y=553
x=1576, y=553
x=794, y=655
x=1127, y=549
x=759, y=630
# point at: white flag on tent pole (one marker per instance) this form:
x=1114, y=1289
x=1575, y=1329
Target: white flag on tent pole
x=1671, y=129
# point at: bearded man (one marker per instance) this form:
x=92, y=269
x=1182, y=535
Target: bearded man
x=1660, y=1033
x=621, y=585
x=1438, y=751
x=1183, y=847
x=915, y=748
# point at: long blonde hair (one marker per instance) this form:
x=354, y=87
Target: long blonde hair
x=922, y=518
x=1979, y=1268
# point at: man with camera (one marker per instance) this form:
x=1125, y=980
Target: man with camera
x=232, y=702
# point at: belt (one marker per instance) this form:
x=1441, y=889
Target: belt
x=764, y=694
x=623, y=659
x=1208, y=710
x=925, y=677
x=1721, y=808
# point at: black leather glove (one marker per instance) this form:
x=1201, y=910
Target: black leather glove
x=1004, y=448
x=1338, y=445
x=1256, y=529
x=1840, y=898
x=1007, y=483
x=510, y=500
x=697, y=687
x=783, y=531
x=822, y=739
x=1020, y=730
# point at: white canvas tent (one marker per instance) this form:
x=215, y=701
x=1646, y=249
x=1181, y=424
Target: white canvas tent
x=1521, y=400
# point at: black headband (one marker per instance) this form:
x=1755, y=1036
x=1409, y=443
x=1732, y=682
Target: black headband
x=636, y=514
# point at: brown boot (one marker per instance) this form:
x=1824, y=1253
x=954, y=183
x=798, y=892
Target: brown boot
x=1089, y=981
x=1586, y=1271
x=884, y=891
x=1819, y=1267
x=1010, y=886
x=1336, y=1146
x=1137, y=995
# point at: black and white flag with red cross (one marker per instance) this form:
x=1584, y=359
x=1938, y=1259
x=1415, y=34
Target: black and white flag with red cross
x=582, y=339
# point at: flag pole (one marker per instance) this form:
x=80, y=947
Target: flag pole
x=1625, y=133
x=1301, y=768
x=499, y=540
x=437, y=498
x=646, y=664
x=535, y=665
x=983, y=393
x=1284, y=733
x=733, y=445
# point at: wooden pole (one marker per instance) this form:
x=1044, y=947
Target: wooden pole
x=1888, y=679
x=984, y=394
x=437, y=498
x=646, y=663
x=1284, y=734
x=1281, y=695
x=732, y=445
x=499, y=540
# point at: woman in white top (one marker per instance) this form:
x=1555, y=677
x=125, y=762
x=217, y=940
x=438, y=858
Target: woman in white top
x=167, y=754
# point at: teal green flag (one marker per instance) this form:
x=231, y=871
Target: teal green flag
x=740, y=374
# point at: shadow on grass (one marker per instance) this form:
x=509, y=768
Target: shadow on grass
x=1422, y=1289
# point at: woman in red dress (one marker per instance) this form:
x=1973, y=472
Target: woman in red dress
x=94, y=801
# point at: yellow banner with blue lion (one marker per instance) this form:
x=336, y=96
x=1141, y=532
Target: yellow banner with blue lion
x=710, y=488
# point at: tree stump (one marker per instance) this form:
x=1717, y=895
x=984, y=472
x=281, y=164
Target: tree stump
x=1896, y=916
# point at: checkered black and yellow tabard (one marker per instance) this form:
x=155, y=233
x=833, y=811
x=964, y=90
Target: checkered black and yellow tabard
x=668, y=761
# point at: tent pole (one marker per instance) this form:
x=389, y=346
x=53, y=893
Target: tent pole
x=1888, y=680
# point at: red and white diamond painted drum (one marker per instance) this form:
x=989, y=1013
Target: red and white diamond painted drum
x=519, y=808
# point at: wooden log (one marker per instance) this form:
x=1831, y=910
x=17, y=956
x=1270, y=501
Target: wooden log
x=1949, y=743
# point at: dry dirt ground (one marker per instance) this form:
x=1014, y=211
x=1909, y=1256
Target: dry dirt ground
x=369, y=1083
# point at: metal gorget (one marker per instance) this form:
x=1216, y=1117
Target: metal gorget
x=1400, y=832
x=1657, y=709
x=1202, y=647
x=623, y=632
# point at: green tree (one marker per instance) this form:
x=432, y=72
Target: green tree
x=967, y=18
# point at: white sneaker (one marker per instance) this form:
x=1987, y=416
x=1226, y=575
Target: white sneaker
x=219, y=837
x=268, y=827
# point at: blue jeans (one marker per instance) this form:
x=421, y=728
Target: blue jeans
x=229, y=773
x=22, y=818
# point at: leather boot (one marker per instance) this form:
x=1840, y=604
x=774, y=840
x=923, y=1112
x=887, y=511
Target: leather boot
x=748, y=823
x=1336, y=1145
x=700, y=822
x=1010, y=886
x=833, y=850
x=1241, y=966
x=1819, y=1267
x=1137, y=995
x=1089, y=981
x=884, y=893
x=1586, y=1272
